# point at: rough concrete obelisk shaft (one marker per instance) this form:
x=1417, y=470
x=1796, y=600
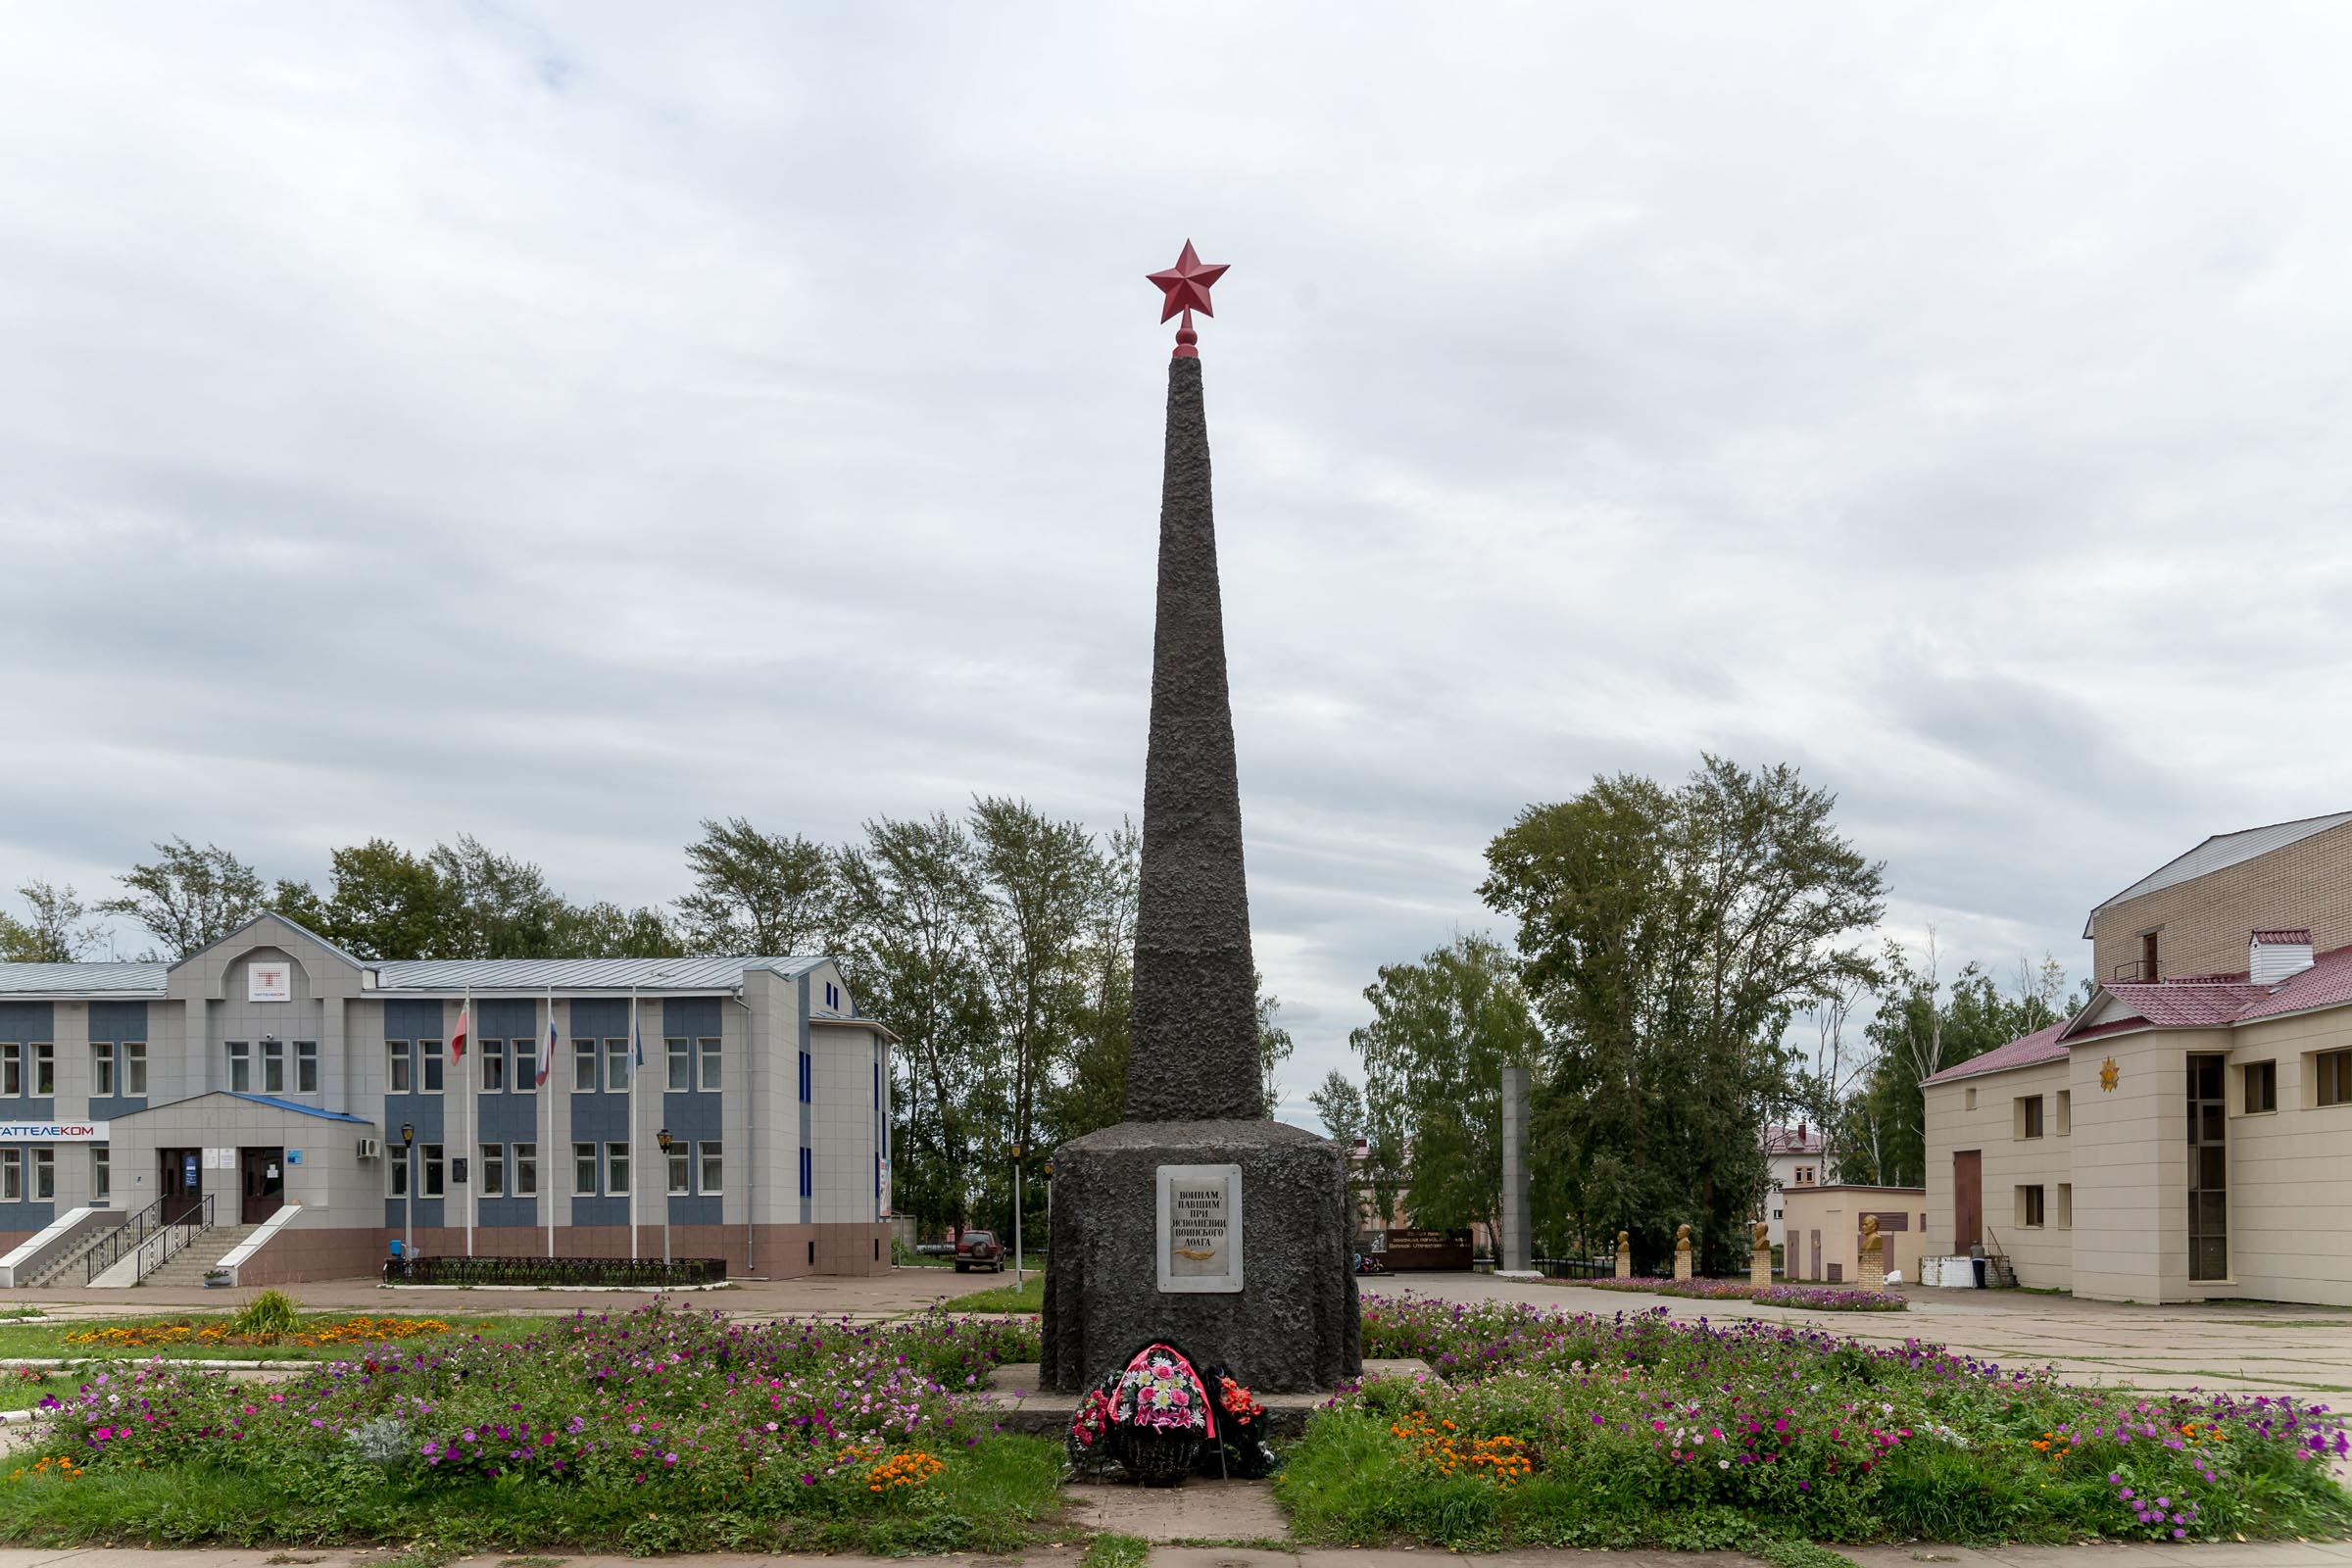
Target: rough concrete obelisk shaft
x=1196, y=1003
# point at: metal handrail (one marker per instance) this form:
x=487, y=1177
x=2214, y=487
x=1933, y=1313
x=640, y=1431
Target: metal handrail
x=187, y=1229
x=129, y=1234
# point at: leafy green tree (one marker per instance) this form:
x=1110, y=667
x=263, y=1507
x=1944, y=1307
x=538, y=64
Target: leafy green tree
x=1924, y=1026
x=188, y=897
x=1347, y=1119
x=1095, y=1094
x=1274, y=1042
x=1441, y=1032
x=1667, y=937
x=910, y=910
x=758, y=894
x=385, y=903
x=1038, y=882
x=56, y=928
x=606, y=930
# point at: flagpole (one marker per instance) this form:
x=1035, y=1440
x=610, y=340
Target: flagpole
x=473, y=1116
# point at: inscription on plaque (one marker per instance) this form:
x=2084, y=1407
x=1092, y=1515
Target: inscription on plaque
x=1199, y=1228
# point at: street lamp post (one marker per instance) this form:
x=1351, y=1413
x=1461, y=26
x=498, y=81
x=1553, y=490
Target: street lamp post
x=663, y=1138
x=1018, y=1272
x=408, y=1188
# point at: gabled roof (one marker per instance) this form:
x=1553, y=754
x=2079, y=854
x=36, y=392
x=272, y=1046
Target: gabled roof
x=2220, y=850
x=2028, y=1051
x=439, y=976
x=295, y=926
x=2208, y=1001
x=429, y=976
x=251, y=1099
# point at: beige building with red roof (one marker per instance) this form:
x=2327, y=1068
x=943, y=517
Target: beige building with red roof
x=2187, y=1135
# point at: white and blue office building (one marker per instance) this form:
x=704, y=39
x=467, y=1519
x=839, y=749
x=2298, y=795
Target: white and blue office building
x=308, y=1108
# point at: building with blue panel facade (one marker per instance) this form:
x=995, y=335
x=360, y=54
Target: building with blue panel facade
x=299, y=1109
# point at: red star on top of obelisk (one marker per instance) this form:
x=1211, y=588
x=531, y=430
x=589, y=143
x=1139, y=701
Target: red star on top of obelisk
x=1186, y=287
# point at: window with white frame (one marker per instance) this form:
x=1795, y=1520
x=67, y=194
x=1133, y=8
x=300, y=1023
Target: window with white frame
x=12, y=1175
x=526, y=1170
x=494, y=1170
x=524, y=1075
x=396, y=1172
x=709, y=1048
x=681, y=1168
x=44, y=1069
x=431, y=1174
x=102, y=1173
x=11, y=1069
x=396, y=1068
x=240, y=1067
x=583, y=1066
x=44, y=1173
x=494, y=1068
x=273, y=1066
x=134, y=1069
x=617, y=1170
x=713, y=1168
x=102, y=1068
x=583, y=1170
x=305, y=1066
x=681, y=1064
x=617, y=1066
x=429, y=1065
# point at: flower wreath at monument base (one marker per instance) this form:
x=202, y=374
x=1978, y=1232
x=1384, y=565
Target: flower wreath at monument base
x=1161, y=1416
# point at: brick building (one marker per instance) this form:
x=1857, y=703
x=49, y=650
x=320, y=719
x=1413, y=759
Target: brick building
x=2187, y=1134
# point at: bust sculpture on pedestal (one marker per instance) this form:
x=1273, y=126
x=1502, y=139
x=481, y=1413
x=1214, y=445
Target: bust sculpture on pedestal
x=1199, y=1219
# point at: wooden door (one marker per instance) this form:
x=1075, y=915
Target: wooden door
x=1968, y=1200
x=180, y=1183
x=265, y=1184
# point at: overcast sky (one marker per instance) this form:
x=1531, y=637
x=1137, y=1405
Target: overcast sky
x=563, y=424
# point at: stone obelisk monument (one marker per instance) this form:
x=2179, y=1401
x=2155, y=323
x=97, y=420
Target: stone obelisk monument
x=1200, y=1218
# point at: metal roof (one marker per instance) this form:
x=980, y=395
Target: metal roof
x=2222, y=849
x=440, y=975
x=432, y=976
x=83, y=979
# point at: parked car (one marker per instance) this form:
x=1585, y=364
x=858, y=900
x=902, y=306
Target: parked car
x=979, y=1250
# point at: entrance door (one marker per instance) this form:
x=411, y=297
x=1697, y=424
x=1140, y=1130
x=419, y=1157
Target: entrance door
x=264, y=1183
x=180, y=1183
x=1968, y=1200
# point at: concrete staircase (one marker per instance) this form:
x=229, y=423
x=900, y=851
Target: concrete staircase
x=67, y=1270
x=188, y=1265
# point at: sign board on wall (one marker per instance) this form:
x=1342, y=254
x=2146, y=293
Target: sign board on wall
x=1199, y=1228
x=268, y=980
x=54, y=1132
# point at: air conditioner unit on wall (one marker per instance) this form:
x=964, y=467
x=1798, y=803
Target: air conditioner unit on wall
x=370, y=1148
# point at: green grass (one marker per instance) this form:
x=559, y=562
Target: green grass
x=1028, y=1297
x=1111, y=1550
x=20, y=1340
x=994, y=1498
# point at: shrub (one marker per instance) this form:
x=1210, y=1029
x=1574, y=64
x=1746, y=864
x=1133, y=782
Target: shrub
x=265, y=1318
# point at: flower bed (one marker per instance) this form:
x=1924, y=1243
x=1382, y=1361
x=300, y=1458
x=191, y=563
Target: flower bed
x=607, y=1424
x=1630, y=1428
x=187, y=1331
x=1811, y=1298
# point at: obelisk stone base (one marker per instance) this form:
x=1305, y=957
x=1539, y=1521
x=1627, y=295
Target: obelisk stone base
x=1291, y=1329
